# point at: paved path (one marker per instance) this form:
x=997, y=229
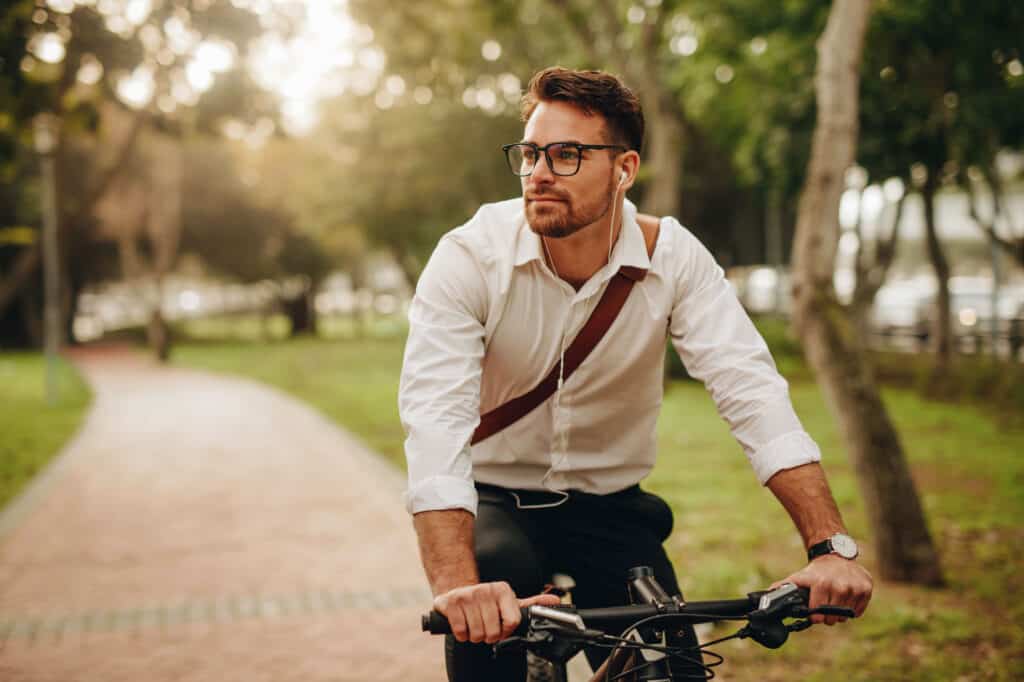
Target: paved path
x=205, y=528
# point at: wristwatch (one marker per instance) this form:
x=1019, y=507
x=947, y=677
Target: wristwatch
x=840, y=543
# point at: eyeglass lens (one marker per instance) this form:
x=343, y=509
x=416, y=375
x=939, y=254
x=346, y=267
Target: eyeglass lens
x=564, y=158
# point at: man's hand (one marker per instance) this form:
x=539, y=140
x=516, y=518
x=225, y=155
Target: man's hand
x=834, y=581
x=486, y=612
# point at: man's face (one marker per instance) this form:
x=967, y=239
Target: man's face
x=558, y=206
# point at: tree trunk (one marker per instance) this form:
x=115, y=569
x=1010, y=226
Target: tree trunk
x=664, y=117
x=942, y=323
x=158, y=336
x=664, y=151
x=301, y=312
x=32, y=316
x=904, y=547
x=665, y=125
x=29, y=260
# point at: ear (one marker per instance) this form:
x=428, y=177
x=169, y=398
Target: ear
x=629, y=169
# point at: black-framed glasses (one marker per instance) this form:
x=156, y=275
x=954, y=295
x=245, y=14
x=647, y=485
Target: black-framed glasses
x=564, y=158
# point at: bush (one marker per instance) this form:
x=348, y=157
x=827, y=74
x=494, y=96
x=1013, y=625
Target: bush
x=972, y=378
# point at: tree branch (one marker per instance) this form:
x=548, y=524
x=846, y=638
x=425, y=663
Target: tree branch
x=992, y=177
x=107, y=175
x=988, y=227
x=885, y=249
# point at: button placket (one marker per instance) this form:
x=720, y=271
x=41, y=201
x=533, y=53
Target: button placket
x=562, y=412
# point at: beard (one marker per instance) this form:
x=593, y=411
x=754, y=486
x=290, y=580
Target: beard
x=566, y=216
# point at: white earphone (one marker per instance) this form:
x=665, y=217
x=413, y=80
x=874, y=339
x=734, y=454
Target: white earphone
x=622, y=177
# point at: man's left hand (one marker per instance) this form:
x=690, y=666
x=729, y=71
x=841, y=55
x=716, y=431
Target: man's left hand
x=834, y=581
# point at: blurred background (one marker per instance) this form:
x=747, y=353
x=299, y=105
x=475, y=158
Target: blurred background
x=253, y=186
x=298, y=161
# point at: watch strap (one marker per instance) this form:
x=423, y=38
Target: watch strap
x=819, y=548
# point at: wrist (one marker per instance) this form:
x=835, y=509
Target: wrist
x=443, y=586
x=837, y=544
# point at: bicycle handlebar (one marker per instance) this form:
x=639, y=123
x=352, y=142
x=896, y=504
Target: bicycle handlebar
x=618, y=618
x=557, y=633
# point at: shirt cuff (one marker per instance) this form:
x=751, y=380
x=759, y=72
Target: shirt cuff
x=441, y=492
x=787, y=451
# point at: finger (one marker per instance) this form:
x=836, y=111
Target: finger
x=491, y=620
x=830, y=600
x=842, y=595
x=457, y=620
x=474, y=621
x=510, y=616
x=815, y=599
x=864, y=595
x=861, y=604
x=542, y=599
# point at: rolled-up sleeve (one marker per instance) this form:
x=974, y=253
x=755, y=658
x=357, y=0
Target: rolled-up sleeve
x=439, y=391
x=720, y=346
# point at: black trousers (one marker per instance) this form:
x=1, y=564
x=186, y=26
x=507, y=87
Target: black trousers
x=595, y=539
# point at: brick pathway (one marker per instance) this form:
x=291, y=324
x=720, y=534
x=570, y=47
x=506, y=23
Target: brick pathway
x=204, y=528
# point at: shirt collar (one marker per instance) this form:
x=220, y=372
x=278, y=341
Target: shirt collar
x=528, y=244
x=630, y=250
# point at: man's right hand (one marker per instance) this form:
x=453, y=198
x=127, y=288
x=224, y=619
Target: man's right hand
x=486, y=612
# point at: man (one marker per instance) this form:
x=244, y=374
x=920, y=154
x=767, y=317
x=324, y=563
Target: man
x=501, y=299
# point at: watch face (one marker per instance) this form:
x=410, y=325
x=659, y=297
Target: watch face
x=844, y=546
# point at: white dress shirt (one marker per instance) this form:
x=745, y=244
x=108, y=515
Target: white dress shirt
x=490, y=319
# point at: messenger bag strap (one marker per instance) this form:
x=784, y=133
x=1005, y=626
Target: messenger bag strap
x=593, y=331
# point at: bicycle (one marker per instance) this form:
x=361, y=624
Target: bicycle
x=639, y=634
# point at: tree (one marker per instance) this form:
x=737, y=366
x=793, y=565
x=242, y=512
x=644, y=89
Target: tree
x=941, y=97
x=441, y=44
x=77, y=61
x=905, y=549
x=236, y=233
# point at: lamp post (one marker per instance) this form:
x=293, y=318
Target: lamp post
x=46, y=132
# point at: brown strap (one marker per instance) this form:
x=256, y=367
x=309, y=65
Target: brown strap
x=593, y=331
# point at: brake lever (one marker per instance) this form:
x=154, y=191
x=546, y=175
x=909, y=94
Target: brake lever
x=553, y=635
x=514, y=644
x=841, y=611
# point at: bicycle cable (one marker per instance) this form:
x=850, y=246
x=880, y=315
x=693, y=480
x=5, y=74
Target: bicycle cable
x=674, y=652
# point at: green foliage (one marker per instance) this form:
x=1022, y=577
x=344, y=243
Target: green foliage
x=971, y=378
x=935, y=86
x=234, y=230
x=421, y=170
x=33, y=432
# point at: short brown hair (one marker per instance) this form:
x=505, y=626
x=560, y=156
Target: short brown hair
x=594, y=92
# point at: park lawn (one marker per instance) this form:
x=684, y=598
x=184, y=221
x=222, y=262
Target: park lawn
x=32, y=432
x=731, y=536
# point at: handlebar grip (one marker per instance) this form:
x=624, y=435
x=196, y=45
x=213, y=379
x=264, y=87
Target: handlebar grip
x=436, y=623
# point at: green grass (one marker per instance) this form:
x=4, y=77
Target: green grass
x=732, y=536
x=31, y=431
